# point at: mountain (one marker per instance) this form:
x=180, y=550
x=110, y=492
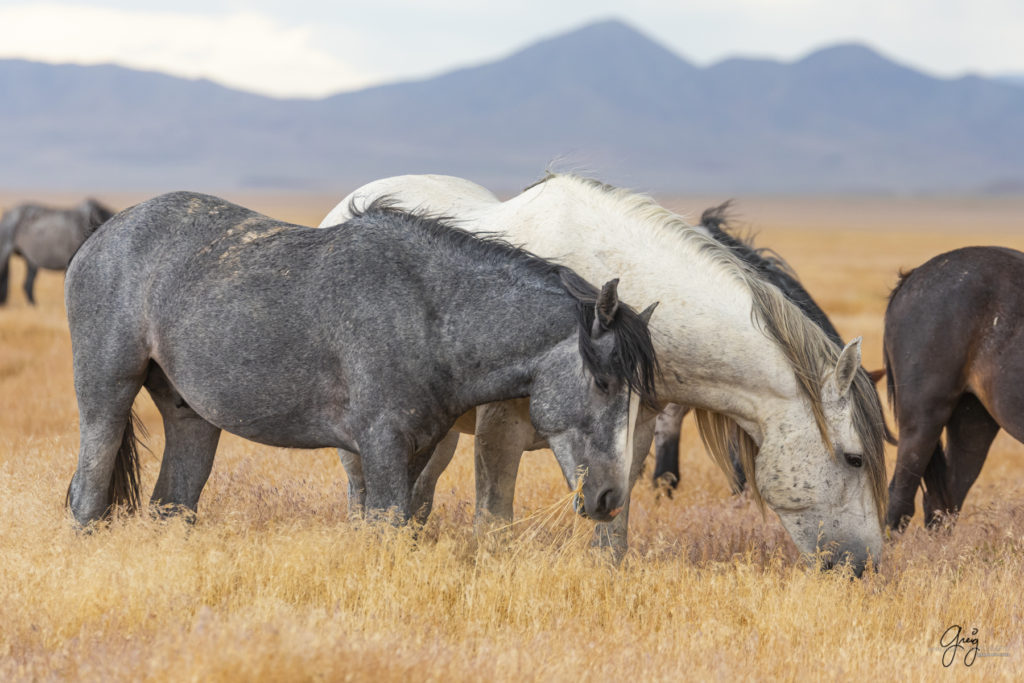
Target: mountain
x=1012, y=79
x=605, y=99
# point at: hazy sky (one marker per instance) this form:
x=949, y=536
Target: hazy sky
x=310, y=48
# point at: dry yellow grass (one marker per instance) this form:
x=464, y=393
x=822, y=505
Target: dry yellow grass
x=273, y=583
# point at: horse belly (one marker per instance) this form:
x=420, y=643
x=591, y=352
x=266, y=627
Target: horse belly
x=275, y=402
x=48, y=249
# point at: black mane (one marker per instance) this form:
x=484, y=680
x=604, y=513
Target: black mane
x=769, y=265
x=633, y=361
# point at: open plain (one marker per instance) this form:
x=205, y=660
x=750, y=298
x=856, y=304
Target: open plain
x=273, y=583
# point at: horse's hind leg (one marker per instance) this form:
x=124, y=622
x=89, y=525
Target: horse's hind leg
x=969, y=434
x=107, y=472
x=189, y=449
x=666, y=445
x=30, y=281
x=920, y=428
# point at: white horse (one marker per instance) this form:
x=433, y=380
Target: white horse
x=730, y=345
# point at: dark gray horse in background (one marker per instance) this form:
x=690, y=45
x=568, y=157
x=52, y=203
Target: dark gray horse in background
x=772, y=267
x=45, y=238
x=373, y=336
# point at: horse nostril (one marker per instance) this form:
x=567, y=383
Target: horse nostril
x=607, y=501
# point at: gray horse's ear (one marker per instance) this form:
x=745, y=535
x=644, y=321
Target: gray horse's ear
x=606, y=307
x=646, y=314
x=847, y=365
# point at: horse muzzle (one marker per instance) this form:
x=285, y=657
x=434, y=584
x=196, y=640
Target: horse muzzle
x=606, y=506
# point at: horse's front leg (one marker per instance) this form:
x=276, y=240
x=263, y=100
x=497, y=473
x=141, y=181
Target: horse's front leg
x=387, y=466
x=666, y=451
x=503, y=432
x=613, y=534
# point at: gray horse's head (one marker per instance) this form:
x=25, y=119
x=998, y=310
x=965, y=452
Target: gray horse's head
x=586, y=392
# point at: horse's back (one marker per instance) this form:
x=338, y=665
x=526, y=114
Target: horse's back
x=953, y=323
x=436, y=194
x=227, y=302
x=50, y=237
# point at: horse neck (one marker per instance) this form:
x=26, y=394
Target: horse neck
x=711, y=353
x=499, y=348
x=507, y=368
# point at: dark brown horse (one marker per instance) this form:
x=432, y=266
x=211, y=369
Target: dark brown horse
x=954, y=356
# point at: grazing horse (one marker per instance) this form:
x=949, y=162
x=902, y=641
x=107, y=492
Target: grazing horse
x=729, y=342
x=45, y=238
x=954, y=357
x=373, y=336
x=775, y=270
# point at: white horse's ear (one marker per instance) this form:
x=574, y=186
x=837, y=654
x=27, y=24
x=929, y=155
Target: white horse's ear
x=646, y=314
x=846, y=366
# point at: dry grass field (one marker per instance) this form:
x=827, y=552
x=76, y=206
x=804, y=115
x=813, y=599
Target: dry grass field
x=273, y=583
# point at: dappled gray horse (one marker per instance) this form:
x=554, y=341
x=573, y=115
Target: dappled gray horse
x=45, y=238
x=373, y=336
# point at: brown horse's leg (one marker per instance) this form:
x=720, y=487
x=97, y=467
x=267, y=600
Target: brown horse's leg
x=920, y=429
x=969, y=434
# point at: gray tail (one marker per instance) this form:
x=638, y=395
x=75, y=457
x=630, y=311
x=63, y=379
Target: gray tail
x=124, y=484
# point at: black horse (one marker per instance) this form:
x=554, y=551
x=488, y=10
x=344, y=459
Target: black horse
x=954, y=358
x=45, y=238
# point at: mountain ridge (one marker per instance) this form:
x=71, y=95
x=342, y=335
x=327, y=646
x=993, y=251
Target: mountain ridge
x=606, y=97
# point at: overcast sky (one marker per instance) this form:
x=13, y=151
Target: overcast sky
x=310, y=48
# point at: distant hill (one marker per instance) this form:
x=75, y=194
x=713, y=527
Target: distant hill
x=1012, y=79
x=605, y=99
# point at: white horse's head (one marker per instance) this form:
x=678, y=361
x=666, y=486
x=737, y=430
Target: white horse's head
x=830, y=495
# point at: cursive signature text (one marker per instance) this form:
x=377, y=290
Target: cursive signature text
x=953, y=641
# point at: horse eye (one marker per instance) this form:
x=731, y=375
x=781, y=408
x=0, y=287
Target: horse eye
x=854, y=459
x=601, y=385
